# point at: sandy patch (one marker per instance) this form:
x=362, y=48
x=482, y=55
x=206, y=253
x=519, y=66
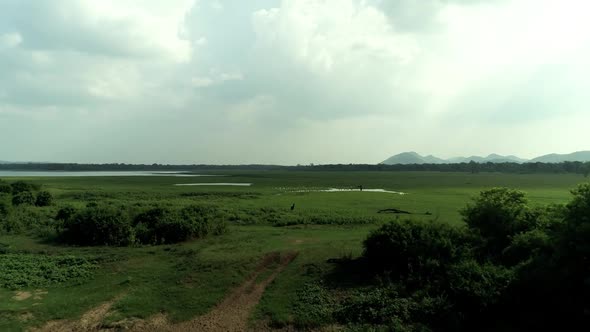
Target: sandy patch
x=90, y=320
x=21, y=296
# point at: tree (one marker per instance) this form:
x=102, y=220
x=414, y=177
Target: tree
x=23, y=198
x=473, y=167
x=496, y=215
x=21, y=186
x=44, y=198
x=5, y=188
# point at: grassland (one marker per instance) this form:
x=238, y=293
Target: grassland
x=186, y=280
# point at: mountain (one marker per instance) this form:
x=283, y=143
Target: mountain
x=415, y=158
x=558, y=158
x=406, y=158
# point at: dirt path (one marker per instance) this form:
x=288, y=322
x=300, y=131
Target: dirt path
x=90, y=321
x=233, y=312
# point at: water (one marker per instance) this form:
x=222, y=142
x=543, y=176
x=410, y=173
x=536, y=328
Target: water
x=333, y=190
x=4, y=174
x=215, y=184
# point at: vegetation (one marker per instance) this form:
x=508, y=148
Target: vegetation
x=505, y=259
x=575, y=167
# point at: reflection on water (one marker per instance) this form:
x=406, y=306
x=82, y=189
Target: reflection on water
x=95, y=173
x=215, y=184
x=333, y=190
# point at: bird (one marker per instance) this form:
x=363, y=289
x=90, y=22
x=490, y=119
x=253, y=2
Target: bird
x=293, y=207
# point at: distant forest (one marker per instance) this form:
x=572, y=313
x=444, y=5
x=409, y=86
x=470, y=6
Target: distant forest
x=575, y=167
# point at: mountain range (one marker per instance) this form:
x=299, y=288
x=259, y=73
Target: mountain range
x=415, y=158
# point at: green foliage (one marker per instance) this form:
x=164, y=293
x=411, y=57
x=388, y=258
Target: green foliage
x=497, y=215
x=99, y=225
x=28, y=270
x=393, y=311
x=474, y=287
x=162, y=225
x=23, y=198
x=414, y=251
x=314, y=306
x=527, y=245
x=65, y=213
x=22, y=186
x=5, y=188
x=44, y=198
x=5, y=206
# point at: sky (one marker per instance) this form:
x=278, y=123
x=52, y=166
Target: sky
x=291, y=81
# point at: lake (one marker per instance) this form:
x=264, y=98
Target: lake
x=4, y=174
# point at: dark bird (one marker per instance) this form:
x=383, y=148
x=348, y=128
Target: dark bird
x=293, y=207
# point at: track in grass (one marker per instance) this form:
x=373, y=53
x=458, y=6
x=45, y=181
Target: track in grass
x=233, y=312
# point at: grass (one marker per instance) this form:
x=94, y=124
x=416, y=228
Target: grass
x=187, y=279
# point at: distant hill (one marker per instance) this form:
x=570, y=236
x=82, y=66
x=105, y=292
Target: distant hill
x=414, y=158
x=407, y=158
x=559, y=158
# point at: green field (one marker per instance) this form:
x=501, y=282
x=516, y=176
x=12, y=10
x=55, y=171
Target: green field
x=186, y=280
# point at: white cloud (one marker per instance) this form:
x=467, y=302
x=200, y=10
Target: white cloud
x=10, y=40
x=332, y=80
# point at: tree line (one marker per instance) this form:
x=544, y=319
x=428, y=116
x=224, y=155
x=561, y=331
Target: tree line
x=575, y=167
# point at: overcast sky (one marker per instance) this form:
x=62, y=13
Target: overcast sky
x=292, y=81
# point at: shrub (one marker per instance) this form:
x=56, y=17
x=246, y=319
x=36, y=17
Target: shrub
x=391, y=309
x=65, y=213
x=24, y=219
x=153, y=226
x=205, y=220
x=28, y=270
x=527, y=245
x=414, y=251
x=314, y=306
x=496, y=215
x=5, y=206
x=21, y=186
x=5, y=188
x=475, y=287
x=98, y=226
x=44, y=198
x=23, y=198
x=161, y=225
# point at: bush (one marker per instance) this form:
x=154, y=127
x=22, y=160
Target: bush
x=496, y=215
x=23, y=198
x=65, y=213
x=5, y=188
x=474, y=288
x=28, y=270
x=44, y=198
x=21, y=186
x=314, y=306
x=5, y=206
x=98, y=226
x=414, y=251
x=25, y=219
x=526, y=246
x=392, y=310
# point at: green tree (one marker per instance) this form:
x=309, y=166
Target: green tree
x=21, y=186
x=99, y=226
x=5, y=188
x=44, y=198
x=414, y=251
x=23, y=198
x=496, y=215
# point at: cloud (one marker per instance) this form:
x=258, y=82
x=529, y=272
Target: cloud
x=289, y=81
